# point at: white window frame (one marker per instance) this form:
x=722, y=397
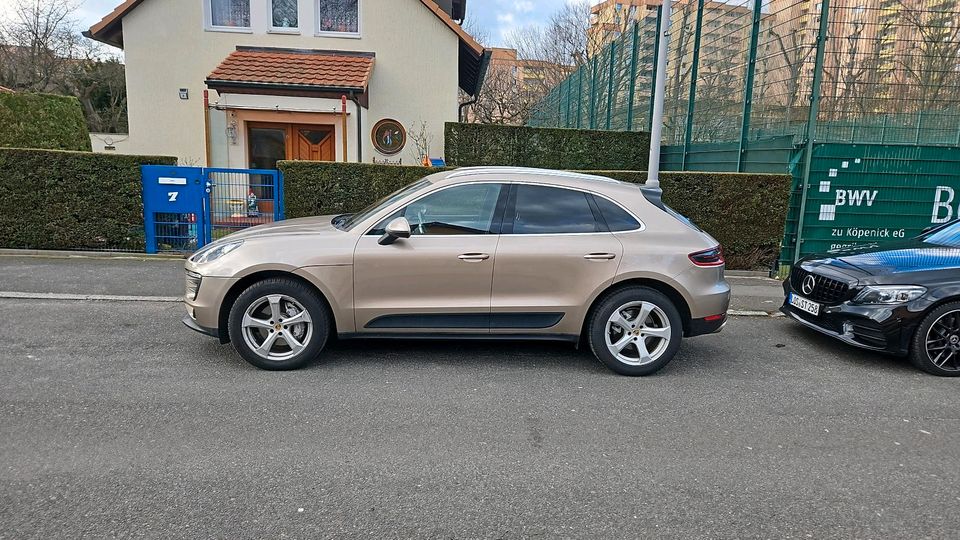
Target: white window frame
x=210, y=27
x=327, y=33
x=280, y=29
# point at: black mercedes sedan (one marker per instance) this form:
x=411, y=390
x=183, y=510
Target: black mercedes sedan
x=901, y=298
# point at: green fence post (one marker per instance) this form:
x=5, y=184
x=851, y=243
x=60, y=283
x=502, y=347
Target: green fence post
x=748, y=83
x=559, y=104
x=579, y=95
x=593, y=93
x=632, y=85
x=566, y=121
x=613, y=56
x=919, y=126
x=653, y=74
x=812, y=121
x=694, y=73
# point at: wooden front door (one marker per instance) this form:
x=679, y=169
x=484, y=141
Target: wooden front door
x=313, y=143
x=268, y=143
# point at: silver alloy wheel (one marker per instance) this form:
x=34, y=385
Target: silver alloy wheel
x=943, y=341
x=276, y=327
x=637, y=333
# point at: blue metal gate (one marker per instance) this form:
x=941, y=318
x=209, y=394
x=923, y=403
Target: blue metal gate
x=185, y=208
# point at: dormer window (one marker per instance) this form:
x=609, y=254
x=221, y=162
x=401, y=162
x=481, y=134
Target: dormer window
x=229, y=13
x=339, y=18
x=284, y=15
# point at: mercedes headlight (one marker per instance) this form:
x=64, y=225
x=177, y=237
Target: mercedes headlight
x=214, y=252
x=889, y=294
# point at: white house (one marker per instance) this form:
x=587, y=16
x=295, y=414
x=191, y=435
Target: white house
x=276, y=73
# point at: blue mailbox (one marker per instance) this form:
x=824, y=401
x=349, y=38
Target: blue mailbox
x=174, y=208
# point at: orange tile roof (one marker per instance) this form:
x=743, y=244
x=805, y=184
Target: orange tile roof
x=292, y=67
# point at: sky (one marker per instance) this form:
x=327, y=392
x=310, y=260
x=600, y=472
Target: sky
x=497, y=18
x=88, y=11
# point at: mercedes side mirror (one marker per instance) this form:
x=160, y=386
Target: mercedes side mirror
x=396, y=229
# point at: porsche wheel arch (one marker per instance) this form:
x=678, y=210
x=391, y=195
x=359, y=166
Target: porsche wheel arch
x=661, y=286
x=246, y=281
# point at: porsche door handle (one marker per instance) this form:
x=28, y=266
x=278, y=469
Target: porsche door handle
x=473, y=257
x=599, y=256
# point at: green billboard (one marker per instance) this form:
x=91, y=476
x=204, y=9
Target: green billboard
x=870, y=193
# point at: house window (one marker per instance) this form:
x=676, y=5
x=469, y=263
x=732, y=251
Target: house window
x=283, y=14
x=230, y=13
x=338, y=16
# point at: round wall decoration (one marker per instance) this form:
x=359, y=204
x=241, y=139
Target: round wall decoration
x=389, y=136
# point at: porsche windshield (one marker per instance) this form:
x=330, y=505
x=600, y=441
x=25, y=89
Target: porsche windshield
x=346, y=222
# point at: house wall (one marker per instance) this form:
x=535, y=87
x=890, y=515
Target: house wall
x=167, y=47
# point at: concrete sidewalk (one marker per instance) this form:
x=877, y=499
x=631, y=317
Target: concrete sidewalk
x=131, y=276
x=82, y=275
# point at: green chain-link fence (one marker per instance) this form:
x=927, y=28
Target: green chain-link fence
x=755, y=85
x=612, y=90
x=888, y=71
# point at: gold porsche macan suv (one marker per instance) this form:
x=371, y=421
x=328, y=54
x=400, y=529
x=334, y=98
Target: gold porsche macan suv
x=473, y=253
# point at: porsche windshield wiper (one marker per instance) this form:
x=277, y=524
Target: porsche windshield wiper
x=338, y=221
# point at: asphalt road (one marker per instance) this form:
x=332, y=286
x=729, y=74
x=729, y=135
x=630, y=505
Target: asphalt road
x=119, y=422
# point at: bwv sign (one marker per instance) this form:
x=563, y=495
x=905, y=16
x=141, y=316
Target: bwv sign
x=942, y=201
x=853, y=197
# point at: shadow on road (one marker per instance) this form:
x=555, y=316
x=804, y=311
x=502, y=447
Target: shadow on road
x=848, y=354
x=777, y=344
x=699, y=355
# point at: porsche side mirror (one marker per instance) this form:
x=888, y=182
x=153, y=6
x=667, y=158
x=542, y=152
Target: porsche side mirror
x=396, y=229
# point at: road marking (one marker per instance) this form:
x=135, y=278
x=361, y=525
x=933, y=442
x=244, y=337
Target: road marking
x=747, y=313
x=759, y=278
x=86, y=255
x=87, y=297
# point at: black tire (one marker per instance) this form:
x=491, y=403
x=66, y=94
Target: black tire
x=918, y=346
x=605, y=309
x=315, y=306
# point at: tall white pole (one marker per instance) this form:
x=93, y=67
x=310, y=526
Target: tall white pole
x=656, y=124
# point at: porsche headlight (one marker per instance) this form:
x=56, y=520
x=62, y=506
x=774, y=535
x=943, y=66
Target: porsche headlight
x=889, y=294
x=214, y=252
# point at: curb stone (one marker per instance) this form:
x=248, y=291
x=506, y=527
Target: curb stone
x=62, y=254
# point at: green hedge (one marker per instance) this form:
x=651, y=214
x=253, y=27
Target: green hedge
x=549, y=148
x=314, y=188
x=42, y=121
x=52, y=199
x=745, y=212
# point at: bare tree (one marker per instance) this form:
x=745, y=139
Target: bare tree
x=931, y=65
x=41, y=50
x=545, y=56
x=37, y=41
x=563, y=41
x=99, y=82
x=504, y=99
x=422, y=140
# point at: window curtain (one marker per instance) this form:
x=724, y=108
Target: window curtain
x=338, y=16
x=230, y=13
x=284, y=13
